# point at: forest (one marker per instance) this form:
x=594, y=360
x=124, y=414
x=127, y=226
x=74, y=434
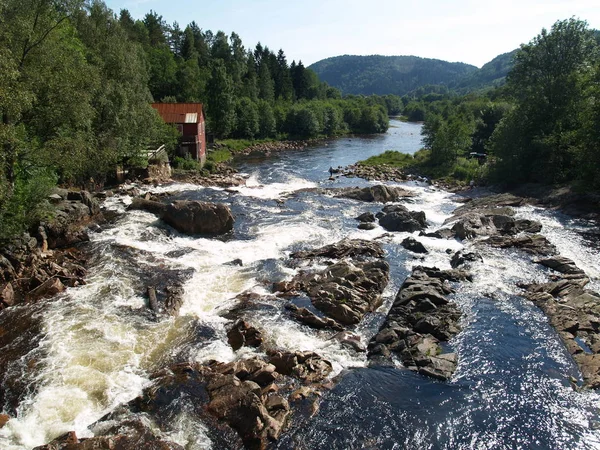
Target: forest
x=542, y=126
x=77, y=81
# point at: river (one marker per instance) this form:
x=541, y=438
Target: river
x=96, y=345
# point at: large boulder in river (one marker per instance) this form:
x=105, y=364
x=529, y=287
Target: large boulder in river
x=379, y=193
x=190, y=217
x=399, y=218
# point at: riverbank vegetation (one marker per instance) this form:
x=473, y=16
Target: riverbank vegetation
x=77, y=81
x=542, y=126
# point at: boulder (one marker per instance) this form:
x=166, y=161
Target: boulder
x=460, y=258
x=190, y=217
x=561, y=264
x=243, y=334
x=420, y=319
x=7, y=295
x=347, y=248
x=309, y=318
x=413, y=245
x=399, y=218
x=366, y=217
x=534, y=244
x=307, y=366
x=379, y=193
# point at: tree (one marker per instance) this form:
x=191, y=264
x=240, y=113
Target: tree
x=247, y=119
x=548, y=84
x=221, y=106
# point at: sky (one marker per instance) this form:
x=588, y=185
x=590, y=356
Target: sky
x=469, y=31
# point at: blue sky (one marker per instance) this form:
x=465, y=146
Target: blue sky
x=468, y=31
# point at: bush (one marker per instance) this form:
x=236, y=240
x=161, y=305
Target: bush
x=186, y=163
x=27, y=205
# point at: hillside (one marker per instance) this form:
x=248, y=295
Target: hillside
x=491, y=74
x=400, y=75
x=387, y=74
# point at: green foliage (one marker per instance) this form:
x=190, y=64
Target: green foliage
x=27, y=203
x=185, y=163
x=389, y=158
x=541, y=140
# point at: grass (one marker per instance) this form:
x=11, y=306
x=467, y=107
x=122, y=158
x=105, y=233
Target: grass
x=237, y=145
x=463, y=170
x=389, y=158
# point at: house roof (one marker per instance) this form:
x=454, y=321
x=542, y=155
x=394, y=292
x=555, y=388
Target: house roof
x=179, y=112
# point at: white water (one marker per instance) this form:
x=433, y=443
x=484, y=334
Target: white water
x=100, y=350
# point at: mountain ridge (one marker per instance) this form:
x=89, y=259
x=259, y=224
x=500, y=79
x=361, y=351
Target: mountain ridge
x=401, y=74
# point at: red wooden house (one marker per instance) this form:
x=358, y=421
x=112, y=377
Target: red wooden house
x=189, y=120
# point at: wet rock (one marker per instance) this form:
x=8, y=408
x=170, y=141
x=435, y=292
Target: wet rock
x=130, y=434
x=535, y=244
x=378, y=193
x=190, y=217
x=366, y=217
x=7, y=271
x=7, y=295
x=460, y=258
x=4, y=419
x=399, y=218
x=442, y=233
x=346, y=290
x=306, y=317
x=351, y=340
x=575, y=314
x=472, y=225
x=48, y=288
x=351, y=248
x=243, y=334
x=413, y=245
x=235, y=262
x=562, y=265
x=420, y=320
x=306, y=366
x=366, y=226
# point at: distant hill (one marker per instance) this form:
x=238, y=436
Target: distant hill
x=388, y=74
x=403, y=74
x=492, y=74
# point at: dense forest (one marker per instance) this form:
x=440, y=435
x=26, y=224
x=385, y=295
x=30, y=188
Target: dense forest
x=383, y=75
x=543, y=126
x=77, y=81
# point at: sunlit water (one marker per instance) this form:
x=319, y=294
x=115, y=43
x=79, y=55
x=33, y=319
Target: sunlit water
x=100, y=345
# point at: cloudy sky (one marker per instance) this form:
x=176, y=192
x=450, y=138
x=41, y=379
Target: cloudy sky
x=470, y=31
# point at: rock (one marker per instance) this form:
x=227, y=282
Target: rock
x=561, y=264
x=306, y=317
x=4, y=418
x=243, y=334
x=190, y=217
x=534, y=244
x=307, y=366
x=399, y=218
x=413, y=245
x=420, y=318
x=48, y=288
x=366, y=217
x=460, y=258
x=7, y=271
x=472, y=225
x=367, y=226
x=351, y=340
x=442, y=233
x=378, y=193
x=350, y=248
x=7, y=295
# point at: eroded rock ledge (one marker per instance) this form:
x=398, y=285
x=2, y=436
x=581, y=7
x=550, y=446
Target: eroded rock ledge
x=420, y=322
x=246, y=403
x=348, y=288
x=573, y=311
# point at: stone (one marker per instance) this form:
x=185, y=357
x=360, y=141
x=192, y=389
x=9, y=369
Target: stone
x=413, y=245
x=7, y=295
x=379, y=193
x=460, y=258
x=366, y=217
x=190, y=217
x=399, y=218
x=4, y=419
x=243, y=334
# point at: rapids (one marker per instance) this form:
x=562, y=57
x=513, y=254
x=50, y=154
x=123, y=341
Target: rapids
x=97, y=344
